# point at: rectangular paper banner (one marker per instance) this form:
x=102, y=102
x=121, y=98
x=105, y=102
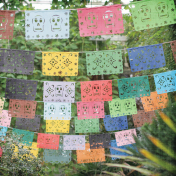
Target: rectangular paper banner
x=150, y=14
x=47, y=24
x=115, y=123
x=120, y=107
x=7, y=18
x=100, y=20
x=58, y=126
x=90, y=155
x=154, y=101
x=96, y=90
x=17, y=61
x=5, y=119
x=55, y=91
x=22, y=108
x=86, y=125
x=28, y=124
x=57, y=111
x=60, y=63
x=57, y=156
x=133, y=87
x=143, y=117
x=125, y=137
x=165, y=82
x=146, y=57
x=3, y=131
x=104, y=62
x=90, y=110
x=48, y=141
x=74, y=142
x=20, y=89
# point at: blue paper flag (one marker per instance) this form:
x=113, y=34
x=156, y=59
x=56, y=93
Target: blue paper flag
x=57, y=156
x=3, y=131
x=47, y=24
x=115, y=123
x=146, y=57
x=57, y=111
x=165, y=82
x=116, y=152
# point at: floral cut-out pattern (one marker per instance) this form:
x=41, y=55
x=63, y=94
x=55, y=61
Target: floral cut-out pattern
x=60, y=63
x=100, y=20
x=96, y=90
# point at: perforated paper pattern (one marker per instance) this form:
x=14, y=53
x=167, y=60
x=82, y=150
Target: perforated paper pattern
x=104, y=62
x=133, y=87
x=22, y=108
x=59, y=91
x=90, y=155
x=1, y=151
x=48, y=141
x=57, y=111
x=173, y=46
x=116, y=123
x=86, y=125
x=90, y=110
x=120, y=107
x=74, y=142
x=100, y=20
x=5, y=119
x=119, y=153
x=154, y=101
x=99, y=141
x=96, y=90
x=125, y=137
x=17, y=61
x=165, y=82
x=57, y=156
x=60, y=63
x=47, y=24
x=1, y=104
x=3, y=131
x=28, y=124
x=150, y=14
x=27, y=136
x=58, y=126
x=143, y=117
x=7, y=24
x=146, y=57
x=20, y=89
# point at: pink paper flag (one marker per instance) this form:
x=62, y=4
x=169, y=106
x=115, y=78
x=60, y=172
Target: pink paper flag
x=100, y=20
x=5, y=119
x=125, y=137
x=90, y=110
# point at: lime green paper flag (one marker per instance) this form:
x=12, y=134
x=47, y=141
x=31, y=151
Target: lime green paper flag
x=148, y=14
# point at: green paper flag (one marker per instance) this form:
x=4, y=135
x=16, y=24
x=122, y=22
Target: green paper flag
x=148, y=14
x=104, y=62
x=120, y=107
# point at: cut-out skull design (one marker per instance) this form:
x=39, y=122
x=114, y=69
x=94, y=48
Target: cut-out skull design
x=56, y=22
x=27, y=108
x=62, y=110
x=134, y=86
x=109, y=17
x=170, y=81
x=162, y=10
x=145, y=13
x=3, y=23
x=92, y=19
x=52, y=109
x=59, y=91
x=47, y=140
x=128, y=105
x=95, y=109
x=96, y=90
x=150, y=101
x=85, y=109
x=117, y=106
x=17, y=107
x=38, y=23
